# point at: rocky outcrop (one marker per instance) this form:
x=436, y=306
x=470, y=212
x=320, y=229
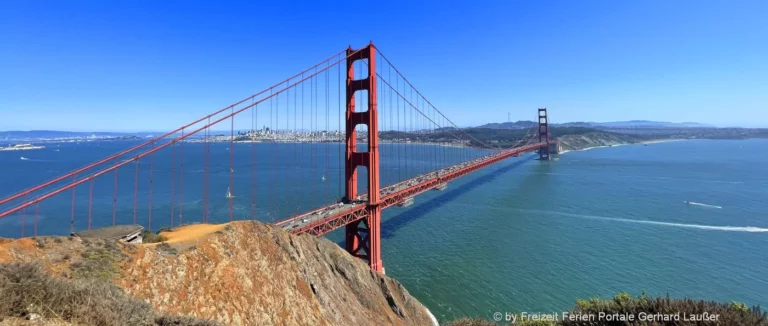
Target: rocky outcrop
x=254, y=274
x=241, y=273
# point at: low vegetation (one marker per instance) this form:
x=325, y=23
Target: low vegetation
x=100, y=260
x=30, y=294
x=480, y=137
x=166, y=249
x=149, y=237
x=734, y=313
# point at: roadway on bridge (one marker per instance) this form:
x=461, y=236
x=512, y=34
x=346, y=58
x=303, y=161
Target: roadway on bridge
x=301, y=223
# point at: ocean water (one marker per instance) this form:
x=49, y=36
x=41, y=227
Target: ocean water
x=534, y=236
x=269, y=182
x=521, y=235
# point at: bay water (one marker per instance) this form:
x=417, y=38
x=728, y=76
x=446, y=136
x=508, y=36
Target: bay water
x=686, y=218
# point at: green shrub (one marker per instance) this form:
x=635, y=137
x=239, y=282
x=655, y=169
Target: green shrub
x=470, y=322
x=729, y=313
x=165, y=248
x=734, y=313
x=739, y=306
x=149, y=237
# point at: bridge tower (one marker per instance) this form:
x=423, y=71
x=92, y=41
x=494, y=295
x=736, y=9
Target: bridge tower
x=363, y=237
x=543, y=134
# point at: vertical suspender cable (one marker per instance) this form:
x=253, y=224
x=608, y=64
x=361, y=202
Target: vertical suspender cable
x=90, y=205
x=173, y=182
x=135, y=191
x=270, y=155
x=292, y=165
x=253, y=161
x=231, y=164
x=313, y=125
x=325, y=137
x=252, y=137
x=151, y=181
x=288, y=134
x=279, y=195
x=114, y=195
x=206, y=175
x=295, y=163
x=341, y=140
x=72, y=219
x=23, y=217
x=401, y=133
x=181, y=181
x=303, y=145
x=37, y=213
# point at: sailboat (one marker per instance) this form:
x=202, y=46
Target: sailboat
x=229, y=194
x=323, y=177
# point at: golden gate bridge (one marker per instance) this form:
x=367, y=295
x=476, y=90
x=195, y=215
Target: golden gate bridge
x=375, y=105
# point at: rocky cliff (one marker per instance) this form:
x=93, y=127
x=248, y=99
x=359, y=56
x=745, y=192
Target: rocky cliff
x=241, y=273
x=594, y=139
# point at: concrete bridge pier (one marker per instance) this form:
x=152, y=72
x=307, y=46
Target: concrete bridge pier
x=554, y=148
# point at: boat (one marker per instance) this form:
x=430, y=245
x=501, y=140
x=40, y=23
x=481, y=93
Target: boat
x=407, y=202
x=323, y=178
x=21, y=147
x=229, y=194
x=24, y=158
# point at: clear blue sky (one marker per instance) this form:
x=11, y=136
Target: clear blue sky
x=153, y=65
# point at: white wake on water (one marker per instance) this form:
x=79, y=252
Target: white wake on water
x=679, y=225
x=700, y=204
x=34, y=159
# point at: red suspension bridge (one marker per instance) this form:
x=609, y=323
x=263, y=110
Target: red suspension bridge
x=277, y=142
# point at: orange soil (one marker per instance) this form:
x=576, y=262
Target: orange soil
x=6, y=246
x=189, y=233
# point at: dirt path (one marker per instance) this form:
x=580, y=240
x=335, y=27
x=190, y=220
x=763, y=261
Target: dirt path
x=189, y=233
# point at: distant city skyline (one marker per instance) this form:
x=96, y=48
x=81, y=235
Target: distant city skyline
x=153, y=66
x=215, y=131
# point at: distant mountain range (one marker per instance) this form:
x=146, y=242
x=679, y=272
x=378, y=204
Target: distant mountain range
x=522, y=124
x=616, y=124
x=30, y=135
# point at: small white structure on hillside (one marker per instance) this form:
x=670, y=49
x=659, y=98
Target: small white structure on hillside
x=123, y=233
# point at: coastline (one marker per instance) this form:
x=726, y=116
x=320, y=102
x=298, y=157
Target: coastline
x=655, y=141
x=336, y=142
x=431, y=316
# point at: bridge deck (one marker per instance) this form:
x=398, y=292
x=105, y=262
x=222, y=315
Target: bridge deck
x=337, y=215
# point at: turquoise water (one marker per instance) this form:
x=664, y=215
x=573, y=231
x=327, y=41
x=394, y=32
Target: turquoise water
x=535, y=236
x=521, y=235
x=286, y=178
